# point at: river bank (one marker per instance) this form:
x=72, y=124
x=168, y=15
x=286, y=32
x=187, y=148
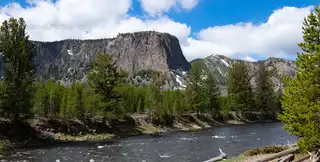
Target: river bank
x=187, y=146
x=44, y=131
x=268, y=151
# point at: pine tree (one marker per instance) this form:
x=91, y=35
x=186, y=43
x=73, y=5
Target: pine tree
x=64, y=103
x=93, y=104
x=182, y=102
x=54, y=92
x=265, y=95
x=153, y=97
x=239, y=89
x=104, y=78
x=212, y=95
x=301, y=99
x=129, y=94
x=17, y=52
x=41, y=100
x=195, y=89
x=3, y=97
x=72, y=103
x=78, y=89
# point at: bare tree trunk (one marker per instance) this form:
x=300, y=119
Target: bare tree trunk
x=287, y=158
x=218, y=158
x=280, y=154
x=314, y=157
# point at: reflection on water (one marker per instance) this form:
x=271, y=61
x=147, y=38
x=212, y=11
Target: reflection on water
x=176, y=147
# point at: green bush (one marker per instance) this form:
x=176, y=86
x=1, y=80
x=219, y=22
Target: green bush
x=3, y=146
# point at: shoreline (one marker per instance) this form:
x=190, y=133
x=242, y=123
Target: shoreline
x=266, y=152
x=46, y=136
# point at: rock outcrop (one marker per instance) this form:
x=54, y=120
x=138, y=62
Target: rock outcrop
x=218, y=65
x=69, y=60
x=140, y=54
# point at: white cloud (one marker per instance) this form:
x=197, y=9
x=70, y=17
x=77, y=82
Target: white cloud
x=247, y=58
x=158, y=7
x=49, y=21
x=189, y=4
x=133, y=24
x=200, y=48
x=277, y=37
x=66, y=18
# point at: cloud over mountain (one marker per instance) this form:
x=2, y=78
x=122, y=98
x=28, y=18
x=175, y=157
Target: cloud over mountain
x=88, y=19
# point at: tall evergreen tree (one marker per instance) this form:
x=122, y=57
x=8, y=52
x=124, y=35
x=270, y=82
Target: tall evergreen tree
x=301, y=99
x=93, y=104
x=104, y=78
x=195, y=87
x=54, y=92
x=41, y=100
x=212, y=95
x=78, y=89
x=265, y=95
x=64, y=103
x=239, y=89
x=3, y=96
x=17, y=52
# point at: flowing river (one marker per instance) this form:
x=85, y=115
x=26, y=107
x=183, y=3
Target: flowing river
x=176, y=147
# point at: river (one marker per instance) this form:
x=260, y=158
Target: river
x=176, y=147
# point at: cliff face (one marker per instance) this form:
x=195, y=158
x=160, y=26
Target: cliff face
x=140, y=53
x=69, y=60
x=218, y=65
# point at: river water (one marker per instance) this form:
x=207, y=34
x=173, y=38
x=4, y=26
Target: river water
x=176, y=147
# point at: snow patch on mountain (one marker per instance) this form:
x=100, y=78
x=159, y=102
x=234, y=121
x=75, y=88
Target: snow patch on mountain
x=220, y=71
x=70, y=52
x=179, y=81
x=225, y=62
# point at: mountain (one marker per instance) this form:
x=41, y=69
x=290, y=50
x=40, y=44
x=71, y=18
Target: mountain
x=140, y=54
x=69, y=60
x=218, y=65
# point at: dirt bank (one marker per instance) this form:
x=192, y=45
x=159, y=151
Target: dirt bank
x=44, y=131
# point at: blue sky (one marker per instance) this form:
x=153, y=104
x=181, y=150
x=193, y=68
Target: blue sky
x=224, y=12
x=246, y=29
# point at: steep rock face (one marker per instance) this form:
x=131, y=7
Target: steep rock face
x=218, y=65
x=69, y=60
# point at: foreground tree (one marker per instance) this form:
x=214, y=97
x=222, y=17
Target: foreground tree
x=301, y=99
x=17, y=52
x=212, y=96
x=265, y=95
x=104, y=78
x=195, y=88
x=239, y=89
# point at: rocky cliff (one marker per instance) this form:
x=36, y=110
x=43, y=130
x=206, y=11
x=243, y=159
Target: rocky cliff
x=218, y=65
x=140, y=54
x=69, y=60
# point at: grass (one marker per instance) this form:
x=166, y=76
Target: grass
x=89, y=137
x=3, y=146
x=236, y=159
x=148, y=129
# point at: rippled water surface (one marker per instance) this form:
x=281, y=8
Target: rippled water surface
x=176, y=147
